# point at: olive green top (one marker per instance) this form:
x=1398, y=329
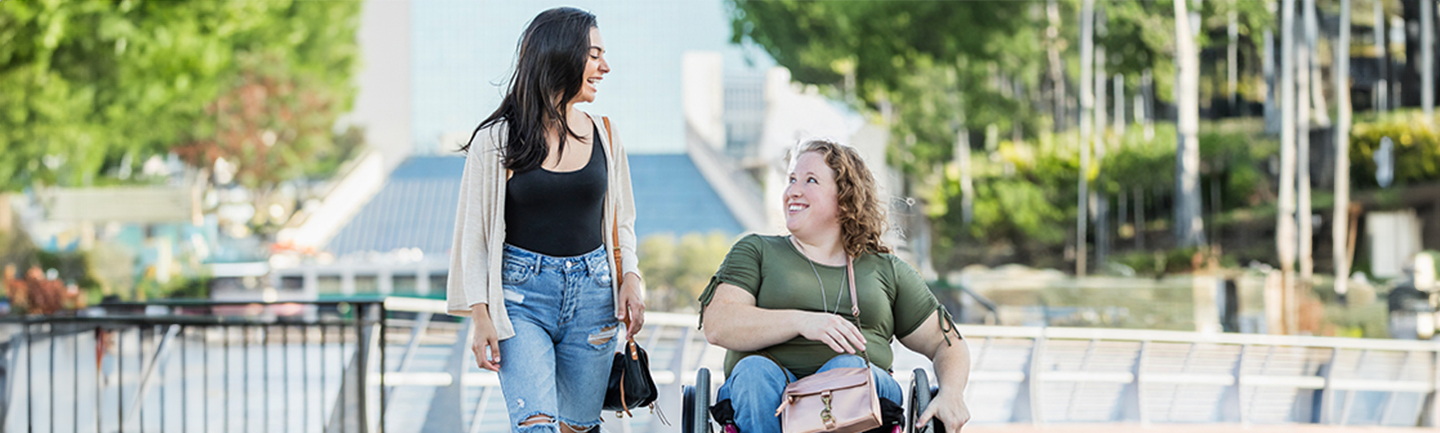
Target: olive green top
x=894, y=300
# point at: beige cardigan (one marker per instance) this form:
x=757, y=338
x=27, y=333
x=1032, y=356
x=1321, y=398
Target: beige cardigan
x=476, y=256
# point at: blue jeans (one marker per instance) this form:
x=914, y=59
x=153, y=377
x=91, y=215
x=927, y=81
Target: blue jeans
x=558, y=363
x=756, y=383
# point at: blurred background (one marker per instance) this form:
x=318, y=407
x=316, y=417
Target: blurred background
x=1216, y=166
x=298, y=150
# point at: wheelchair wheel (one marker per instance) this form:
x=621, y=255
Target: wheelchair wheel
x=919, y=400
x=696, y=414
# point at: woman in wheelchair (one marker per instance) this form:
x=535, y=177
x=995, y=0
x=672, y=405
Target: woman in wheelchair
x=781, y=304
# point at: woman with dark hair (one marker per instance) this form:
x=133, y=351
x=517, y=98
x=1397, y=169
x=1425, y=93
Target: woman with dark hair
x=780, y=304
x=545, y=223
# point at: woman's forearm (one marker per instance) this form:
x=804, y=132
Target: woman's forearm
x=952, y=366
x=749, y=328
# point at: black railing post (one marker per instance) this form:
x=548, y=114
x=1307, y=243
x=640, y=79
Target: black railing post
x=265, y=374
x=362, y=363
x=383, y=314
x=51, y=372
x=120, y=378
x=75, y=344
x=285, y=373
x=140, y=335
x=304, y=377
x=184, y=395
x=245, y=384
x=161, y=372
x=321, y=417
x=205, y=377
x=227, y=406
x=29, y=380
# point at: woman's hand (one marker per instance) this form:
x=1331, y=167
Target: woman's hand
x=833, y=330
x=949, y=408
x=631, y=303
x=485, y=338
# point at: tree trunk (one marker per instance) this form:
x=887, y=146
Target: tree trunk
x=1139, y=219
x=1285, y=217
x=1267, y=65
x=1119, y=87
x=1232, y=70
x=1057, y=67
x=1427, y=60
x=1317, y=84
x=1304, y=63
x=1189, y=227
x=1100, y=102
x=962, y=159
x=1382, y=56
x=1101, y=203
x=1087, y=104
x=1148, y=85
x=1342, y=152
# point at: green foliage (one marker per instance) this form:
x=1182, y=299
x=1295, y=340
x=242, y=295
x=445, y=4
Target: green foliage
x=73, y=267
x=677, y=270
x=347, y=145
x=90, y=80
x=879, y=42
x=1416, y=151
x=895, y=57
x=177, y=287
x=1025, y=193
x=1159, y=263
x=16, y=249
x=1141, y=35
x=987, y=75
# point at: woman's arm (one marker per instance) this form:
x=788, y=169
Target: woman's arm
x=486, y=344
x=734, y=322
x=951, y=357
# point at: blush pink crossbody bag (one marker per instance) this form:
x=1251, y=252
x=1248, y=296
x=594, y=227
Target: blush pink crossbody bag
x=841, y=400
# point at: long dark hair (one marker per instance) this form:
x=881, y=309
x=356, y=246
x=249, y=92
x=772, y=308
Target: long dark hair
x=550, y=62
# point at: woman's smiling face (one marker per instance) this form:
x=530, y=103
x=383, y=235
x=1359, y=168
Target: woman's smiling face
x=595, y=67
x=810, y=201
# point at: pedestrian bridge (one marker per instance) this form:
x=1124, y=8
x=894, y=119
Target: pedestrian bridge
x=323, y=366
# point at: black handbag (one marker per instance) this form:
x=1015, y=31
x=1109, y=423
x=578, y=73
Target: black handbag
x=630, y=384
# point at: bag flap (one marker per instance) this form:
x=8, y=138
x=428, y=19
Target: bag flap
x=829, y=380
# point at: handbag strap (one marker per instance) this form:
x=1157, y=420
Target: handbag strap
x=855, y=300
x=615, y=222
x=623, y=404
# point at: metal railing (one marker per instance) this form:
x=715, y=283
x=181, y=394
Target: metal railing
x=324, y=366
x=195, y=366
x=1107, y=375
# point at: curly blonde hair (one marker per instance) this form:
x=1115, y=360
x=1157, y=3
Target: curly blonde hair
x=861, y=217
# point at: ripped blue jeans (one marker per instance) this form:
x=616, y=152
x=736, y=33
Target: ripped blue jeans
x=558, y=362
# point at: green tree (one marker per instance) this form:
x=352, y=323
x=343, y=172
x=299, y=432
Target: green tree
x=943, y=68
x=877, y=54
x=678, y=269
x=90, y=81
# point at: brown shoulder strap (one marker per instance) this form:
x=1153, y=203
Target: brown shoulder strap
x=854, y=297
x=615, y=221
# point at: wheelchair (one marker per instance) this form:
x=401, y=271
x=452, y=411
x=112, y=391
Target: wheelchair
x=696, y=413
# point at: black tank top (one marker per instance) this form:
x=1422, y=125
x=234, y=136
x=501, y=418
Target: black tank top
x=558, y=214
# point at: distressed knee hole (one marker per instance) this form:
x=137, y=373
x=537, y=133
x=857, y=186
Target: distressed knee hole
x=537, y=420
x=567, y=428
x=604, y=335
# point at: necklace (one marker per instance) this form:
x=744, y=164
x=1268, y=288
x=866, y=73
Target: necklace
x=823, y=303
